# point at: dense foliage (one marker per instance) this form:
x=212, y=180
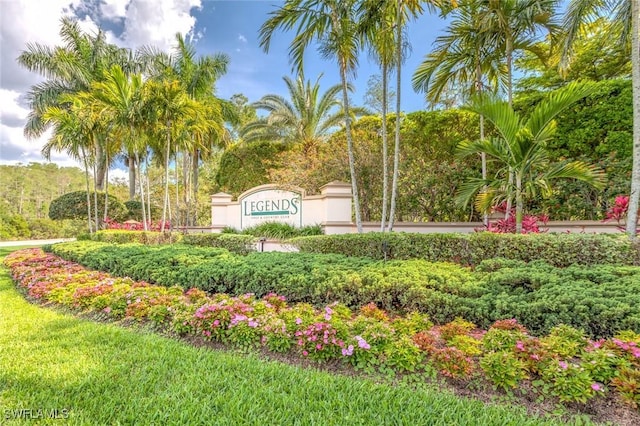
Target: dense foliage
x=562, y=364
x=239, y=244
x=277, y=230
x=471, y=249
x=599, y=299
x=73, y=205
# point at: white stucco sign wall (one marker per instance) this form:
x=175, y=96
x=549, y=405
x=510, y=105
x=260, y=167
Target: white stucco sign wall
x=270, y=205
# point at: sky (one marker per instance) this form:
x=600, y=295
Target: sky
x=227, y=26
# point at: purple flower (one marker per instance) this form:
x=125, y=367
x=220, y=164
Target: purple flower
x=362, y=344
x=252, y=323
x=348, y=351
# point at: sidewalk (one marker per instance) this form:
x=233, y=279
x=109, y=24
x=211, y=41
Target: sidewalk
x=33, y=242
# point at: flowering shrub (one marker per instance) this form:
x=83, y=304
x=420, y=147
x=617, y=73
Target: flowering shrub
x=618, y=211
x=530, y=223
x=452, y=362
x=504, y=369
x=564, y=364
x=136, y=226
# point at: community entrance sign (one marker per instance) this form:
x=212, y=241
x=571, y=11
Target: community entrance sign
x=270, y=205
x=330, y=209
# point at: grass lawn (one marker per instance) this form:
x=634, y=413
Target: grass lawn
x=105, y=374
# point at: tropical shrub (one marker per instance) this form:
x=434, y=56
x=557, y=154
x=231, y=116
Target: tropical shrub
x=370, y=339
x=73, y=205
x=600, y=300
x=471, y=249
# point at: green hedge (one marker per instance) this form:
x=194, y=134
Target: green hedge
x=598, y=299
x=240, y=244
x=120, y=236
x=470, y=249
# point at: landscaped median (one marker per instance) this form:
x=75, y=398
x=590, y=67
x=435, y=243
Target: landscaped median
x=563, y=366
x=56, y=369
x=600, y=299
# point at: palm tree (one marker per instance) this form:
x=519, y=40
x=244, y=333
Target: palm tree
x=521, y=153
x=306, y=118
x=197, y=77
x=72, y=133
x=626, y=21
x=332, y=24
x=517, y=23
x=68, y=69
x=119, y=99
x=464, y=57
x=378, y=31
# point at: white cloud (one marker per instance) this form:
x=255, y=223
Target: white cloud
x=144, y=22
x=242, y=38
x=157, y=22
x=114, y=10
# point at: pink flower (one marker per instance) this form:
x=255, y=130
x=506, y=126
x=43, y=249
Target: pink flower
x=319, y=346
x=563, y=365
x=348, y=351
x=519, y=345
x=252, y=323
x=298, y=321
x=596, y=387
x=305, y=353
x=362, y=344
x=107, y=310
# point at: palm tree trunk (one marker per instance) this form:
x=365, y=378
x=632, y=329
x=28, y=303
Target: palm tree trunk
x=166, y=177
x=132, y=176
x=507, y=212
x=146, y=172
x=186, y=184
x=352, y=162
x=519, y=204
x=396, y=151
x=177, y=213
x=483, y=155
x=385, y=145
x=95, y=195
x=106, y=191
x=101, y=170
x=86, y=176
x=194, y=184
x=509, y=71
x=141, y=183
x=634, y=195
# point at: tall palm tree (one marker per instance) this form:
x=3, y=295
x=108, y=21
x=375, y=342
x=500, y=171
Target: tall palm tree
x=518, y=23
x=68, y=69
x=465, y=57
x=306, y=118
x=119, y=99
x=626, y=21
x=377, y=27
x=520, y=151
x=332, y=24
x=72, y=133
x=198, y=76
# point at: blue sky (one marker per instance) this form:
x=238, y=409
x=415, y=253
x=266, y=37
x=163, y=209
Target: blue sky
x=232, y=27
x=229, y=26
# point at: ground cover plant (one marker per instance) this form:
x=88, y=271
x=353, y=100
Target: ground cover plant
x=563, y=365
x=602, y=300
x=103, y=374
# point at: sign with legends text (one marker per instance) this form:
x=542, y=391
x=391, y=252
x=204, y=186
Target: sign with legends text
x=270, y=205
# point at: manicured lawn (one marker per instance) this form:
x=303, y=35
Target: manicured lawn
x=105, y=374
